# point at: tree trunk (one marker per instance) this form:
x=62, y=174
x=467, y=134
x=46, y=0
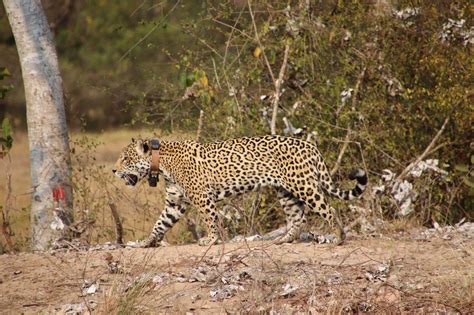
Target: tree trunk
x=46, y=119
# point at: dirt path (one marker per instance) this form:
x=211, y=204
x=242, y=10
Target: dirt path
x=364, y=275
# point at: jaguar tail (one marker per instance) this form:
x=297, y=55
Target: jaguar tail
x=358, y=174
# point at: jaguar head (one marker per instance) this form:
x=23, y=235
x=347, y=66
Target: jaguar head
x=133, y=163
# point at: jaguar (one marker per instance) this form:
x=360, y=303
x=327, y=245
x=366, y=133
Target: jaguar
x=203, y=174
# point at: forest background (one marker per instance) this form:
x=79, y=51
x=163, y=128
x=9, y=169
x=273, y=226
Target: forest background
x=386, y=85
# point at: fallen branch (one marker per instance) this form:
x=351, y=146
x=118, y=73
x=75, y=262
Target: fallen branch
x=427, y=151
x=118, y=223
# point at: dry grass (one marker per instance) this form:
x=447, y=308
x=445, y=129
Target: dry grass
x=458, y=285
x=94, y=155
x=364, y=275
x=128, y=291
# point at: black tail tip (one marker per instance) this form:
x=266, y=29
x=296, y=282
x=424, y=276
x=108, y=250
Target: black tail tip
x=358, y=174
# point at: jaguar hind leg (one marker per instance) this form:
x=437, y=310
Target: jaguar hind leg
x=295, y=217
x=337, y=227
x=317, y=204
x=313, y=197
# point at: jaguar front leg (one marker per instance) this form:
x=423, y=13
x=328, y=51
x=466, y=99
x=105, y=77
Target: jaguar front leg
x=206, y=205
x=175, y=207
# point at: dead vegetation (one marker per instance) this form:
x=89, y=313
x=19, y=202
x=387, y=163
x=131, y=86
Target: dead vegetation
x=411, y=271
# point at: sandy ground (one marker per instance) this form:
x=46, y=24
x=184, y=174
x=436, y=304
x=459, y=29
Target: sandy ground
x=425, y=271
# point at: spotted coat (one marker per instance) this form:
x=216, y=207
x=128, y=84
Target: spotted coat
x=203, y=174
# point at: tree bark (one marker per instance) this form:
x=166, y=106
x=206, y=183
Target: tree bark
x=46, y=119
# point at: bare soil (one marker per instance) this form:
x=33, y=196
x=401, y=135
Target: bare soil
x=422, y=271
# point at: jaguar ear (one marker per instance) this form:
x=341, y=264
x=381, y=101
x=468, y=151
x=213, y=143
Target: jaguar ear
x=133, y=140
x=146, y=146
x=142, y=146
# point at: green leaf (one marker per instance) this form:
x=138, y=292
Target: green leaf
x=190, y=78
x=472, y=159
x=183, y=78
x=461, y=168
x=4, y=89
x=6, y=128
x=9, y=142
x=4, y=73
x=468, y=182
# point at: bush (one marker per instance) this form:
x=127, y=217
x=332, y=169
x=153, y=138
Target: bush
x=383, y=77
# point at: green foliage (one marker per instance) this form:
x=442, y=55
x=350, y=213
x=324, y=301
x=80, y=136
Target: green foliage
x=6, y=139
x=402, y=77
x=4, y=88
x=114, y=55
x=467, y=174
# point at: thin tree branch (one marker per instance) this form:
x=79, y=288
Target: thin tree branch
x=355, y=100
x=149, y=32
x=258, y=40
x=425, y=153
x=63, y=17
x=278, y=83
x=357, y=88
x=200, y=122
x=5, y=227
x=118, y=223
x=341, y=154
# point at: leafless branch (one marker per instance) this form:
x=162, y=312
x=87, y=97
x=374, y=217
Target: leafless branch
x=118, y=223
x=278, y=83
x=5, y=226
x=288, y=126
x=257, y=37
x=150, y=31
x=63, y=16
x=224, y=61
x=425, y=153
x=355, y=100
x=215, y=73
x=341, y=154
x=200, y=122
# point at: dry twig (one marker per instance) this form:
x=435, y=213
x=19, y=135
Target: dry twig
x=341, y=154
x=5, y=226
x=118, y=223
x=150, y=31
x=278, y=83
x=257, y=37
x=355, y=100
x=200, y=122
x=427, y=151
